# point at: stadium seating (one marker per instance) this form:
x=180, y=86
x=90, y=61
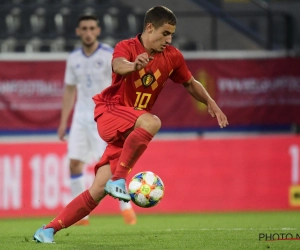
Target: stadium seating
x=49, y=25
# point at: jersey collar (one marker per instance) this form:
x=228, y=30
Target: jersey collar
x=99, y=46
x=138, y=41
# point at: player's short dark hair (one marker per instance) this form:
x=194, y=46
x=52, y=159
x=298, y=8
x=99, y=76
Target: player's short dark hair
x=158, y=16
x=84, y=17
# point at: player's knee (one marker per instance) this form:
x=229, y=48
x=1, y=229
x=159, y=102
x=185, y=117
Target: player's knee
x=149, y=122
x=156, y=124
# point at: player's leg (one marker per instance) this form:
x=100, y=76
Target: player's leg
x=128, y=213
x=77, y=153
x=77, y=178
x=77, y=184
x=97, y=147
x=77, y=209
x=146, y=126
x=132, y=129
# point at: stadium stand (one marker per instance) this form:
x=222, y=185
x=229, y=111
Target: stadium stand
x=48, y=25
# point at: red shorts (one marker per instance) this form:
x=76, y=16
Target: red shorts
x=113, y=126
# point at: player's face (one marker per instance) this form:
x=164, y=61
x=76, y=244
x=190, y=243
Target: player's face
x=88, y=31
x=161, y=37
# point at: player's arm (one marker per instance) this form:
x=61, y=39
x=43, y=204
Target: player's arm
x=122, y=66
x=196, y=89
x=67, y=106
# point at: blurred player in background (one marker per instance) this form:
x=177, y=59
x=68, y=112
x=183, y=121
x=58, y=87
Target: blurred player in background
x=141, y=67
x=88, y=72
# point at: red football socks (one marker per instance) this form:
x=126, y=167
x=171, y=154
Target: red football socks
x=134, y=146
x=77, y=209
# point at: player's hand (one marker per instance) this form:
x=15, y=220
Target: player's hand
x=216, y=112
x=61, y=131
x=142, y=61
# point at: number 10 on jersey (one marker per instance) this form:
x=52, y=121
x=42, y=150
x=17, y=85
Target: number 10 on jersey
x=142, y=100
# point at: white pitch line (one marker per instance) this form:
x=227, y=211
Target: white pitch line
x=234, y=229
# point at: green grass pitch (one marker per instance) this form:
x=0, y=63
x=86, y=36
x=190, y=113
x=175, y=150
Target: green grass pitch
x=164, y=231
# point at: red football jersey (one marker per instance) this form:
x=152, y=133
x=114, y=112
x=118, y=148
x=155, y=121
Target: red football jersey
x=140, y=89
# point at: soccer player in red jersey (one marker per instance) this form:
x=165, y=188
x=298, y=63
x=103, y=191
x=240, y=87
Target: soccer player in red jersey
x=141, y=67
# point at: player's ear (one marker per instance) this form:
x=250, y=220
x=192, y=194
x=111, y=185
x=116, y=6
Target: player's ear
x=149, y=27
x=99, y=31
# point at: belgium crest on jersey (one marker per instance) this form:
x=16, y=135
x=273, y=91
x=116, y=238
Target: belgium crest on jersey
x=148, y=79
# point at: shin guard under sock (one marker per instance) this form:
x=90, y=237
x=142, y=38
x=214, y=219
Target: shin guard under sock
x=78, y=208
x=134, y=146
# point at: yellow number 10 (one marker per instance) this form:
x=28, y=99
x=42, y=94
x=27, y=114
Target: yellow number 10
x=142, y=100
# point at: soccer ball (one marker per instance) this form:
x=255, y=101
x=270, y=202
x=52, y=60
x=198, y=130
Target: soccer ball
x=146, y=189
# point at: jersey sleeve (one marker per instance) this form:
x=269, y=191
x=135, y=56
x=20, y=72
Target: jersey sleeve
x=70, y=78
x=181, y=73
x=122, y=50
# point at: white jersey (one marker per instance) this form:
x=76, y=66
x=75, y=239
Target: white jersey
x=91, y=74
